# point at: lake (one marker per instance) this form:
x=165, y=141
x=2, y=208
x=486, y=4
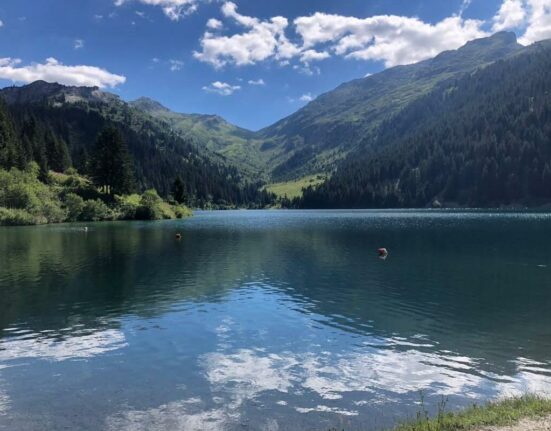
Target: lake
x=271, y=320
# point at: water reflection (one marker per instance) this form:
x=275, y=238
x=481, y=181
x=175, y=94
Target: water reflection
x=270, y=320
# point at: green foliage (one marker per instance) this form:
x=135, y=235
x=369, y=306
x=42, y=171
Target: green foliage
x=179, y=190
x=96, y=210
x=21, y=190
x=24, y=200
x=498, y=413
x=75, y=206
x=15, y=217
x=150, y=207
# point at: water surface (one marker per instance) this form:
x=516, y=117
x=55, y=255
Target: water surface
x=271, y=320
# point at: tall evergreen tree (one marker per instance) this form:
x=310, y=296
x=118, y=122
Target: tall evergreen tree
x=8, y=145
x=179, y=190
x=112, y=168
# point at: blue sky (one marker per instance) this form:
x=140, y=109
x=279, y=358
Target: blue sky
x=250, y=61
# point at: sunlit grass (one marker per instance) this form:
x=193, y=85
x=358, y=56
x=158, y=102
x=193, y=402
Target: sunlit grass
x=293, y=189
x=496, y=413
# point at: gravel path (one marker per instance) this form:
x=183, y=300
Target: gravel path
x=540, y=424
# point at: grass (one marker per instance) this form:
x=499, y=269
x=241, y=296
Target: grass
x=293, y=189
x=496, y=413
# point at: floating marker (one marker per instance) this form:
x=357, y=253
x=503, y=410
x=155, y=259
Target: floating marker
x=383, y=252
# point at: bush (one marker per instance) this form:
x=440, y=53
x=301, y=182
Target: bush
x=16, y=217
x=22, y=190
x=150, y=206
x=96, y=210
x=75, y=206
x=182, y=211
x=127, y=206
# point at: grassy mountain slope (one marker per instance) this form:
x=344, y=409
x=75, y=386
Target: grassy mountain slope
x=483, y=139
x=211, y=132
x=314, y=137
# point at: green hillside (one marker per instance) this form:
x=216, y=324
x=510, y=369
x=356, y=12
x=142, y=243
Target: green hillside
x=483, y=139
x=57, y=127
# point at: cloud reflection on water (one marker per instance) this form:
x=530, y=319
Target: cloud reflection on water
x=31, y=345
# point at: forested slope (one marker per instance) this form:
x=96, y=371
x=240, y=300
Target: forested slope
x=483, y=139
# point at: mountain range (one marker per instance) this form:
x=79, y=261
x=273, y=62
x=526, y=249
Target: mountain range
x=357, y=121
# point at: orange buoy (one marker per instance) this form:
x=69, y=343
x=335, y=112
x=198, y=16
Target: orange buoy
x=383, y=252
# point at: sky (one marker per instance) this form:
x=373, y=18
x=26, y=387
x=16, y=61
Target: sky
x=251, y=61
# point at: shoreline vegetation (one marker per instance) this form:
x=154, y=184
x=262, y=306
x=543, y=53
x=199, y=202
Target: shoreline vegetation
x=71, y=197
x=495, y=415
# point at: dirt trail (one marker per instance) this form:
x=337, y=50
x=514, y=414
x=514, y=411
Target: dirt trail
x=538, y=424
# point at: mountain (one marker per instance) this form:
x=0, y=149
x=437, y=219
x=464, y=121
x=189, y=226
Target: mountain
x=315, y=138
x=324, y=131
x=211, y=132
x=57, y=126
x=480, y=139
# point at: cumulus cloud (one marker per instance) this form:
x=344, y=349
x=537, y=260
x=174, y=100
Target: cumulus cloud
x=54, y=71
x=221, y=88
x=78, y=44
x=214, y=24
x=306, y=97
x=173, y=9
x=388, y=38
x=260, y=40
x=256, y=82
x=539, y=21
x=531, y=16
x=511, y=14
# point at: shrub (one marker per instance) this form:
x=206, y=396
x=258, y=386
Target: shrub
x=150, y=206
x=182, y=211
x=15, y=217
x=75, y=206
x=96, y=210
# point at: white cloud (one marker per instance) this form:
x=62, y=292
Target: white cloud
x=176, y=65
x=388, y=38
x=464, y=6
x=256, y=82
x=511, y=14
x=214, y=24
x=222, y=88
x=313, y=55
x=539, y=21
x=391, y=39
x=260, y=41
x=1, y=23
x=306, y=97
x=54, y=71
x=173, y=9
x=78, y=44
x=531, y=16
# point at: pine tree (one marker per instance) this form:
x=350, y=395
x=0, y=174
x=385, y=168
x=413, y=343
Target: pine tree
x=179, y=190
x=112, y=168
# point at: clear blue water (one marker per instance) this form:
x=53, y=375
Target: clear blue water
x=271, y=320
